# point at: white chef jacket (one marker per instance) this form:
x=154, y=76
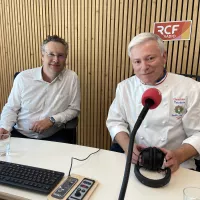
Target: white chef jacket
x=175, y=121
x=32, y=99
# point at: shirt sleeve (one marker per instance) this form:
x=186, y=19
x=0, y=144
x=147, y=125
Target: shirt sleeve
x=12, y=107
x=73, y=109
x=116, y=121
x=191, y=120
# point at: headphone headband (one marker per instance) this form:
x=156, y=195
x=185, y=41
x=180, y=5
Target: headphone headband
x=152, y=159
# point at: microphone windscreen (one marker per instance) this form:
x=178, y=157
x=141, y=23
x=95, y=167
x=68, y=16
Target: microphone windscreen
x=153, y=95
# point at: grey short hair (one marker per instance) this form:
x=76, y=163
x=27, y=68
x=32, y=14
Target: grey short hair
x=143, y=37
x=54, y=38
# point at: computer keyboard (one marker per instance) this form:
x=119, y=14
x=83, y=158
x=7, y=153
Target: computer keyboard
x=28, y=177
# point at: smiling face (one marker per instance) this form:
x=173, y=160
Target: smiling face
x=148, y=62
x=53, y=58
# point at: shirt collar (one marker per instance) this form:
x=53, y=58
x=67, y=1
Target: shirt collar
x=38, y=74
x=60, y=76
x=160, y=80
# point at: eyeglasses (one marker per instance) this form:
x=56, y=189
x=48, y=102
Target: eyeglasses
x=59, y=56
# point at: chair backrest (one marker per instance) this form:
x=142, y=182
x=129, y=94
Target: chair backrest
x=73, y=123
x=16, y=74
x=71, y=127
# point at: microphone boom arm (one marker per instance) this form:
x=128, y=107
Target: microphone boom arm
x=130, y=149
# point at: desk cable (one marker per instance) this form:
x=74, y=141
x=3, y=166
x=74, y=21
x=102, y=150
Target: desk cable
x=80, y=160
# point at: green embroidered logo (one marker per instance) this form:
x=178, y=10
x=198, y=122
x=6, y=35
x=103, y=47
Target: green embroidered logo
x=179, y=109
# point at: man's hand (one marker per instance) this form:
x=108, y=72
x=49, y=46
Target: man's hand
x=3, y=131
x=122, y=139
x=171, y=159
x=41, y=126
x=175, y=157
x=136, y=152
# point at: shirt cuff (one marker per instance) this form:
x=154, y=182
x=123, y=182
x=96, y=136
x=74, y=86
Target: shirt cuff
x=57, y=119
x=6, y=128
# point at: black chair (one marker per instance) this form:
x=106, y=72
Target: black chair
x=69, y=131
x=197, y=162
x=16, y=74
x=116, y=147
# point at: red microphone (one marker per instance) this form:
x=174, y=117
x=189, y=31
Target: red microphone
x=152, y=97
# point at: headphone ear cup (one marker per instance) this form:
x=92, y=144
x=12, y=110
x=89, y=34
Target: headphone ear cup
x=146, y=155
x=159, y=158
x=154, y=159
x=151, y=158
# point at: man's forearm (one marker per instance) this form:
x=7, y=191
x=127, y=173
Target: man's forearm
x=66, y=115
x=122, y=139
x=185, y=152
x=8, y=118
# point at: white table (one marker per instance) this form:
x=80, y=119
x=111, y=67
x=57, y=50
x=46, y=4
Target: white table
x=105, y=166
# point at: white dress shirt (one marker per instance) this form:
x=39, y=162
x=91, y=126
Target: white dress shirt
x=32, y=99
x=175, y=121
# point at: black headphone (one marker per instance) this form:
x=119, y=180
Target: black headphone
x=152, y=159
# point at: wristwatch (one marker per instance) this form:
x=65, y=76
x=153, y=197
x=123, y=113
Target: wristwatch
x=52, y=120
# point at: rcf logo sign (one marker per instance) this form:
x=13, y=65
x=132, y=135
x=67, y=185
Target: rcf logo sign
x=177, y=30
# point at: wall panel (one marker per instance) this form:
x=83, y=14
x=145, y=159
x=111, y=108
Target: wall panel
x=98, y=33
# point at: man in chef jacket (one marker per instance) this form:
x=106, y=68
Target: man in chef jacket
x=174, y=126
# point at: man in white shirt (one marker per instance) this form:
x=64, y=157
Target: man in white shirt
x=43, y=99
x=174, y=126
